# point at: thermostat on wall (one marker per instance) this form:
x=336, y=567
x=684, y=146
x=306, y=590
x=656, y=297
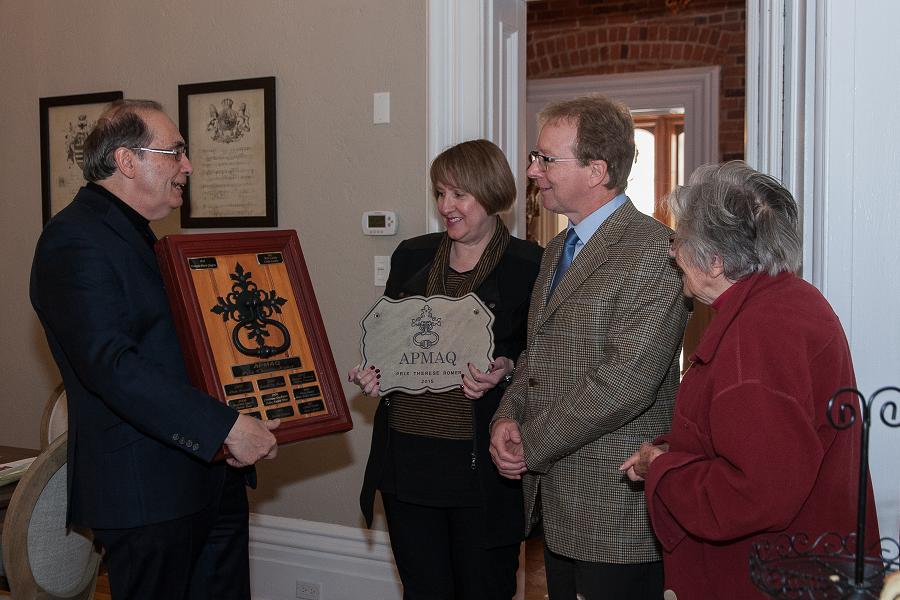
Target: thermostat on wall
x=379, y=222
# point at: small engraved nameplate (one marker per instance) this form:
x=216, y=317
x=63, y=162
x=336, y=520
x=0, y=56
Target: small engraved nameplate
x=275, y=398
x=280, y=412
x=269, y=258
x=203, y=262
x=303, y=377
x=266, y=366
x=243, y=403
x=307, y=392
x=312, y=406
x=270, y=382
x=423, y=343
x=242, y=387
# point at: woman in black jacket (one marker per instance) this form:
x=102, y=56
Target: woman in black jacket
x=455, y=524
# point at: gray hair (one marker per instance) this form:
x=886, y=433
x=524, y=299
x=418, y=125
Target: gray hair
x=746, y=218
x=120, y=126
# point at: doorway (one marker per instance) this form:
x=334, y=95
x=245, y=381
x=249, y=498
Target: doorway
x=677, y=116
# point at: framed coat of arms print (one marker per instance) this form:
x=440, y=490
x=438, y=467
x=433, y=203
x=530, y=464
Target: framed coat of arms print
x=66, y=122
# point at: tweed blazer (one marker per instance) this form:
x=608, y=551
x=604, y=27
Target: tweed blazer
x=598, y=376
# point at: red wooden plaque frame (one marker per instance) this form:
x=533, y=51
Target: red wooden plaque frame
x=192, y=321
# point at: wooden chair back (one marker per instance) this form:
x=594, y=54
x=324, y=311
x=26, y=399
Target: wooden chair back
x=55, y=419
x=44, y=559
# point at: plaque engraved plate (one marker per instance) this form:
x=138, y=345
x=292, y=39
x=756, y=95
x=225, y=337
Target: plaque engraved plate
x=268, y=366
x=242, y=387
x=310, y=407
x=243, y=403
x=307, y=392
x=269, y=258
x=423, y=343
x=275, y=398
x=248, y=322
x=203, y=262
x=281, y=412
x=270, y=382
x=303, y=377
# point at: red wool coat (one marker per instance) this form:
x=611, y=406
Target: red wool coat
x=751, y=451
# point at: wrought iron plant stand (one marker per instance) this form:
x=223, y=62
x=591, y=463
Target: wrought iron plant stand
x=810, y=566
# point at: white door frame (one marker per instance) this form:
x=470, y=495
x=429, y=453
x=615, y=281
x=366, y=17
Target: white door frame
x=476, y=85
x=696, y=90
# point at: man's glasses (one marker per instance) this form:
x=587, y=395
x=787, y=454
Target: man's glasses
x=543, y=160
x=175, y=153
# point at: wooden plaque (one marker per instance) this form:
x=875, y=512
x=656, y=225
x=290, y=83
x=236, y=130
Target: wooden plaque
x=250, y=328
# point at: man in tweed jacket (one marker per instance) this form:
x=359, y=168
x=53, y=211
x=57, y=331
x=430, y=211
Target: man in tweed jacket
x=600, y=369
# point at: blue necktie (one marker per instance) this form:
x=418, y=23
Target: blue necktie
x=565, y=259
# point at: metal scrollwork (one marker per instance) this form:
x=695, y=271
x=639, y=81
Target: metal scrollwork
x=832, y=566
x=426, y=337
x=252, y=308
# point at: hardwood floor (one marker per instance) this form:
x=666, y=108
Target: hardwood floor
x=102, y=591
x=535, y=578
x=535, y=575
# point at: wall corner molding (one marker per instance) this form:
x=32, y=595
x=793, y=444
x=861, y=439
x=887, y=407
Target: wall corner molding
x=346, y=562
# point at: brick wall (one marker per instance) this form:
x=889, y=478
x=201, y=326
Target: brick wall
x=596, y=37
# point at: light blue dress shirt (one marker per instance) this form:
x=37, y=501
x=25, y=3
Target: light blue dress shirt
x=591, y=223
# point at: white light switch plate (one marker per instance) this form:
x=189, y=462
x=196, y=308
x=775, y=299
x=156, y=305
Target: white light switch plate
x=382, y=270
x=382, y=107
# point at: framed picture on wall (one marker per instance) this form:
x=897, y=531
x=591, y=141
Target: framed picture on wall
x=66, y=122
x=229, y=127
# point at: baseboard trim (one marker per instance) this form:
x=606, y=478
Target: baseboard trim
x=346, y=563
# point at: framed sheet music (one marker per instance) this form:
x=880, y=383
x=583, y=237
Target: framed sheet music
x=229, y=127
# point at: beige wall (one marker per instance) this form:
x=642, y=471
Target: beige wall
x=329, y=57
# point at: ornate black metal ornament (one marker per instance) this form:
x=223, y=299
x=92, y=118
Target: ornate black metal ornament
x=426, y=337
x=831, y=566
x=252, y=308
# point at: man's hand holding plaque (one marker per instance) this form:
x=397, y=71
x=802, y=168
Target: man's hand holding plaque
x=251, y=440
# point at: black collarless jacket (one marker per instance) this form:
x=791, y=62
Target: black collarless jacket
x=141, y=438
x=506, y=292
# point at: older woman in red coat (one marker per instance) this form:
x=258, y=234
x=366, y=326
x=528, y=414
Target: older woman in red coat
x=751, y=452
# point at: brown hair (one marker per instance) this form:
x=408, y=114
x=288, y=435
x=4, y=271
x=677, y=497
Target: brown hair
x=477, y=167
x=605, y=131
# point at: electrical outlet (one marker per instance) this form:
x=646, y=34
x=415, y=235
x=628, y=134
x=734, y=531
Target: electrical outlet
x=307, y=590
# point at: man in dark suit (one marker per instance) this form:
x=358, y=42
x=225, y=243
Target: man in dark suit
x=141, y=440
x=601, y=364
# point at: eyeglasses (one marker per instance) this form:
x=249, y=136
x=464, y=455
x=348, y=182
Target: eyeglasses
x=543, y=160
x=674, y=243
x=175, y=153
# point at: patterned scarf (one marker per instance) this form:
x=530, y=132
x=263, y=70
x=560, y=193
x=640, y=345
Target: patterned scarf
x=437, y=276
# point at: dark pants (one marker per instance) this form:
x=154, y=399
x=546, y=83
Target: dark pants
x=198, y=557
x=602, y=581
x=441, y=554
